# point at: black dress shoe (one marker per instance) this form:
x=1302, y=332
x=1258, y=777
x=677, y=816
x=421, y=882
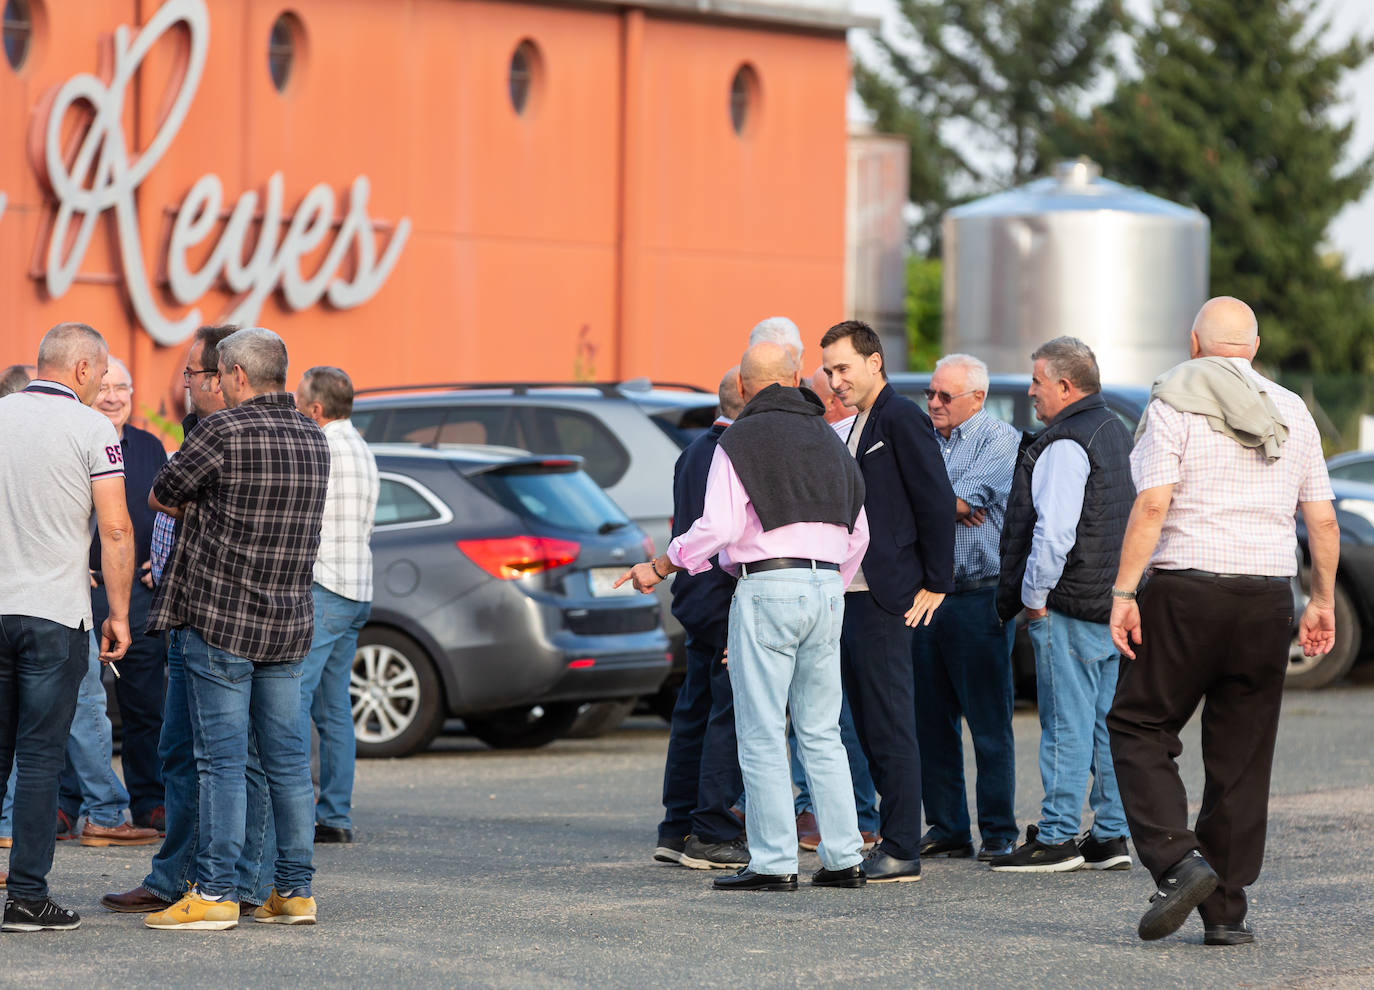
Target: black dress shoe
x=880, y=867
x=852, y=876
x=749, y=880
x=328, y=833
x=948, y=848
x=1229, y=933
x=989, y=851
x=1183, y=887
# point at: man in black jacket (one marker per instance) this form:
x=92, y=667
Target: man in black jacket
x=701, y=777
x=906, y=573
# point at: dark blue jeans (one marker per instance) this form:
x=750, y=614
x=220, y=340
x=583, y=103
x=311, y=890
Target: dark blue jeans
x=41, y=666
x=963, y=669
x=701, y=777
x=139, y=687
x=865, y=797
x=879, y=681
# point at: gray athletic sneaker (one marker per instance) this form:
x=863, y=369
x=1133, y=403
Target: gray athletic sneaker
x=698, y=855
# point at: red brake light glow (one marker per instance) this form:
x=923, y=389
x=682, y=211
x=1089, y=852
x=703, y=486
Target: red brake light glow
x=582, y=664
x=512, y=557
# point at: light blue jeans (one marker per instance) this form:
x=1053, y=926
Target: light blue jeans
x=785, y=652
x=231, y=698
x=1075, y=669
x=325, y=674
x=89, y=752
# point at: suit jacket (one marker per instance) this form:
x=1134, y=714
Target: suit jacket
x=701, y=602
x=910, y=504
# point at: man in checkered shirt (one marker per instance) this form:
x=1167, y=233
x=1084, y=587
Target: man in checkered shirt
x=249, y=488
x=1224, y=459
x=342, y=593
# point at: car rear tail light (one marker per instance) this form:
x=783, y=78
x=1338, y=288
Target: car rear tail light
x=582, y=664
x=512, y=557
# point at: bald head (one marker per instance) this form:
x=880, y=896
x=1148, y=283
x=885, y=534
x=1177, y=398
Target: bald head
x=1225, y=327
x=731, y=401
x=766, y=364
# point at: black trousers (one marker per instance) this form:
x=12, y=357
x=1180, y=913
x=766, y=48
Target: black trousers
x=880, y=681
x=1222, y=642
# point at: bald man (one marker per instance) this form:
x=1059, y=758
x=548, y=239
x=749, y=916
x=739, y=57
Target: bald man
x=1223, y=460
x=784, y=511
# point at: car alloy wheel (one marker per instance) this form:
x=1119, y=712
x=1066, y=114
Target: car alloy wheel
x=395, y=695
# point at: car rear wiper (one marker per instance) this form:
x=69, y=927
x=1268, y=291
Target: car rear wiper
x=610, y=526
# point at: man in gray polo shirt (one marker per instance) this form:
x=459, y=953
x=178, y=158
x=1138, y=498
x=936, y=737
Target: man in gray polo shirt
x=59, y=461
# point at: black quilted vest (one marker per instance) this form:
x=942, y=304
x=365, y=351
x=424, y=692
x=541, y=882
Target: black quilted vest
x=1085, y=588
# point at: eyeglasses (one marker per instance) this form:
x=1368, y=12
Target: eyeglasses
x=945, y=397
x=187, y=373
x=116, y=389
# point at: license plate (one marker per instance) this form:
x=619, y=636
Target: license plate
x=603, y=577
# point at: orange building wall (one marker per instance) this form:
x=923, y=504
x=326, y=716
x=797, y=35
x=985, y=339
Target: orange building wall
x=621, y=202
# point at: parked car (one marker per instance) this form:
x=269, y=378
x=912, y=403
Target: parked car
x=1008, y=400
x=493, y=601
x=628, y=434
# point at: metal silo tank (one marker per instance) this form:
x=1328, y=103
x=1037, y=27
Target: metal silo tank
x=1080, y=255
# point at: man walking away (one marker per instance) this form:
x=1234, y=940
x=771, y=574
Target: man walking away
x=1223, y=458
x=342, y=594
x=59, y=460
x=1061, y=543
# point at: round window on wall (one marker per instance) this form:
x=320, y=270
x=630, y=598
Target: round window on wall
x=744, y=99
x=526, y=72
x=17, y=28
x=283, y=49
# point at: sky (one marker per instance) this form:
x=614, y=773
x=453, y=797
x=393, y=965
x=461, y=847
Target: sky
x=1352, y=233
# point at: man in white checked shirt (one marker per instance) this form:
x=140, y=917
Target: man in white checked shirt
x=342, y=593
x=1223, y=459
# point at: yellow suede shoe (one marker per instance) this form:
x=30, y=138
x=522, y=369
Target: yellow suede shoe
x=286, y=910
x=195, y=913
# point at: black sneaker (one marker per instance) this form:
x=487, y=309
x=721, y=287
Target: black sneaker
x=1183, y=887
x=37, y=916
x=670, y=850
x=1107, y=854
x=1035, y=856
x=698, y=855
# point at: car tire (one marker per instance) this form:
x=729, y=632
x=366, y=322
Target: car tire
x=1310, y=673
x=600, y=717
x=523, y=727
x=398, y=702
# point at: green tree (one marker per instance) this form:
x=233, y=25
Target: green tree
x=984, y=75
x=1232, y=112
x=924, y=313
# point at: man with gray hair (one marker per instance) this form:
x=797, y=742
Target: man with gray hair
x=249, y=487
x=60, y=462
x=778, y=330
x=963, y=658
x=342, y=593
x=1061, y=542
x=15, y=377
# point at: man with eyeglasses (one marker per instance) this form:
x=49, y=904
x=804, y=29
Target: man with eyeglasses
x=963, y=658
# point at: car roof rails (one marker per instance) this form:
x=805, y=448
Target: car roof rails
x=608, y=389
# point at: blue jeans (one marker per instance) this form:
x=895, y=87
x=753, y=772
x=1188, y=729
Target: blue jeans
x=963, y=673
x=865, y=797
x=701, y=777
x=1075, y=670
x=174, y=867
x=231, y=701
x=139, y=690
x=784, y=653
x=41, y=666
x=325, y=674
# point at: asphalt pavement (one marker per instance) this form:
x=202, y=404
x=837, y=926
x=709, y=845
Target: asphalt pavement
x=478, y=868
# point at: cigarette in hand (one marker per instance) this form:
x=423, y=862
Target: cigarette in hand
x=116, y=671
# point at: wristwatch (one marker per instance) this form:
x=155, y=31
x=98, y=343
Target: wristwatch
x=1126, y=596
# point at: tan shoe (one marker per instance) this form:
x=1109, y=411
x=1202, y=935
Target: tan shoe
x=808, y=832
x=286, y=910
x=5, y=842
x=195, y=913
x=122, y=834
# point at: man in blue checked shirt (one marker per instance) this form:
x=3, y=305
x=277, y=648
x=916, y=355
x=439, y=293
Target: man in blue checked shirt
x=963, y=658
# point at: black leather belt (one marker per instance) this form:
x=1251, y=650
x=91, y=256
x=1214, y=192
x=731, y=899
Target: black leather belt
x=980, y=584
x=1214, y=576
x=786, y=563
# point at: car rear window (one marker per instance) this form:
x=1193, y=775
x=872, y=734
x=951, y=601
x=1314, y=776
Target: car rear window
x=561, y=496
x=683, y=424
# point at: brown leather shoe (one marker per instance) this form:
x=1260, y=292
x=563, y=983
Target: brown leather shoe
x=871, y=839
x=808, y=832
x=5, y=842
x=122, y=834
x=140, y=900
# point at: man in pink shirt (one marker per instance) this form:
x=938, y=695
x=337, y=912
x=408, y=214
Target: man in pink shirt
x=784, y=510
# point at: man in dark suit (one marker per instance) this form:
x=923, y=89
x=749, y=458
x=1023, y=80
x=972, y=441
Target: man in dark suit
x=906, y=573
x=701, y=776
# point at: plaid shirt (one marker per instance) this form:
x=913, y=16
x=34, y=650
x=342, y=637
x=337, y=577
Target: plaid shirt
x=980, y=456
x=1232, y=512
x=252, y=482
x=344, y=565
x=160, y=547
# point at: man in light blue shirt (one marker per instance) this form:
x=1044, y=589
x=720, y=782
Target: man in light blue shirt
x=963, y=658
